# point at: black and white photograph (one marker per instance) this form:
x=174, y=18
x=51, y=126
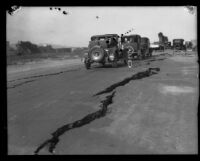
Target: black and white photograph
x=90, y=80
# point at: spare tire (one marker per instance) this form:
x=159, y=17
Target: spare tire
x=97, y=54
x=129, y=47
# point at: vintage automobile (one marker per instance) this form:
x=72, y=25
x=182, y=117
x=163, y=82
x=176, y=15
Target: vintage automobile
x=168, y=45
x=178, y=44
x=154, y=46
x=162, y=41
x=131, y=47
x=103, y=49
x=188, y=45
x=145, y=47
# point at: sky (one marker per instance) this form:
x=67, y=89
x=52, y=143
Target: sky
x=42, y=25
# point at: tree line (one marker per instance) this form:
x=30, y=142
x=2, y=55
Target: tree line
x=27, y=47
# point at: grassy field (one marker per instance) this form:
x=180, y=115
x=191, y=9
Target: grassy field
x=13, y=59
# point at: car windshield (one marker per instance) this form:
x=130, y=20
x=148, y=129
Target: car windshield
x=130, y=39
x=104, y=37
x=178, y=41
x=144, y=40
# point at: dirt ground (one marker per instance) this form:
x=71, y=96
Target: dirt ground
x=153, y=109
x=41, y=67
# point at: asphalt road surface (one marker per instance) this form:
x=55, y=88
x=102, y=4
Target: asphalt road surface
x=149, y=109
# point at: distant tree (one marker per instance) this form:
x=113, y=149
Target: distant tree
x=161, y=37
x=160, y=34
x=165, y=39
x=46, y=49
x=26, y=47
x=49, y=48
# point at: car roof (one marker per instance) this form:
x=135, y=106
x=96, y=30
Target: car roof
x=134, y=35
x=178, y=39
x=145, y=38
x=105, y=35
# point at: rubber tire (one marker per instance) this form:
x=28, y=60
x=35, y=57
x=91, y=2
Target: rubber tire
x=143, y=56
x=99, y=50
x=127, y=47
x=125, y=62
x=139, y=55
x=87, y=65
x=103, y=64
x=114, y=64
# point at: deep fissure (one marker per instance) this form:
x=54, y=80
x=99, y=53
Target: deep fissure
x=51, y=143
x=36, y=76
x=138, y=75
x=45, y=75
x=19, y=84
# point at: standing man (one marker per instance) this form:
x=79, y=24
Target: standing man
x=122, y=41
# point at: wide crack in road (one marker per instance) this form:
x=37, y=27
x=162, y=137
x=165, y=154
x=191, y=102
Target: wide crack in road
x=139, y=75
x=35, y=76
x=53, y=141
x=139, y=63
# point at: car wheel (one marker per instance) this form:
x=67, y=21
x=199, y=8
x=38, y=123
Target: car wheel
x=125, y=62
x=139, y=57
x=87, y=65
x=103, y=63
x=143, y=56
x=114, y=64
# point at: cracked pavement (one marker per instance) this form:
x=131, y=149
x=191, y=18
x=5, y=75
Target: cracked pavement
x=153, y=109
